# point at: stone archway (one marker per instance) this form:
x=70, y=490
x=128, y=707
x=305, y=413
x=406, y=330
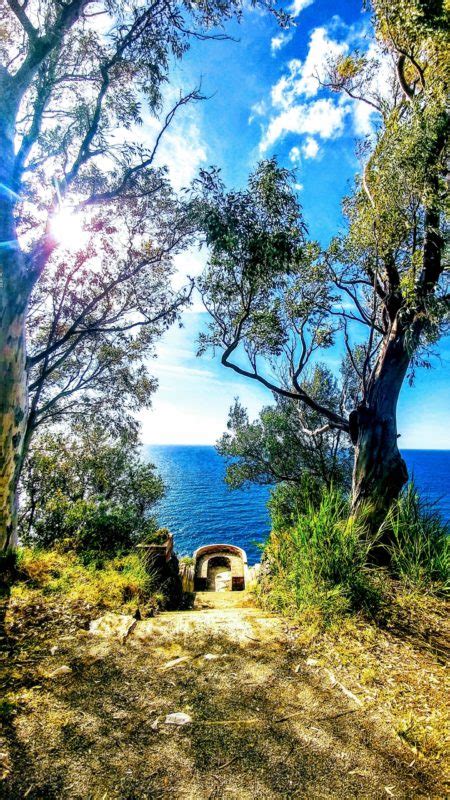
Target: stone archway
x=224, y=560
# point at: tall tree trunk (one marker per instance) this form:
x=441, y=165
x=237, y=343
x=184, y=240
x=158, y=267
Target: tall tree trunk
x=14, y=292
x=13, y=411
x=379, y=470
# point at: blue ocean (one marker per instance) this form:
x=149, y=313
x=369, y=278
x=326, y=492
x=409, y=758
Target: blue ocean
x=199, y=508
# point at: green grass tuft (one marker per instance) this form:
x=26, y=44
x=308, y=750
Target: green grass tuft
x=322, y=562
x=419, y=546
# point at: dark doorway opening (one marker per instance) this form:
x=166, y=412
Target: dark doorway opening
x=219, y=574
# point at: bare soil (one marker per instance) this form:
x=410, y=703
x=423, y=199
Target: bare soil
x=267, y=719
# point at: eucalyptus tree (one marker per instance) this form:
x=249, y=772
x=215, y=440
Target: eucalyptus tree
x=285, y=444
x=76, y=81
x=275, y=299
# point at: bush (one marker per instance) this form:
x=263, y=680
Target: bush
x=322, y=561
x=419, y=547
x=88, y=491
x=288, y=501
x=120, y=583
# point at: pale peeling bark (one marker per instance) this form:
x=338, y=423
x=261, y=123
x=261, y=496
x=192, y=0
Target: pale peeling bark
x=13, y=413
x=14, y=292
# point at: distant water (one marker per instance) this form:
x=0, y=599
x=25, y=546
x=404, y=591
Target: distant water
x=200, y=509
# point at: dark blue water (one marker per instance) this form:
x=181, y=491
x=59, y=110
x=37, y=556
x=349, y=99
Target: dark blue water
x=200, y=509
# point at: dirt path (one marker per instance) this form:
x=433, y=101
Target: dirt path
x=266, y=722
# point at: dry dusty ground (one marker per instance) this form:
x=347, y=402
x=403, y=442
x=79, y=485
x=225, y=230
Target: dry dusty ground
x=267, y=721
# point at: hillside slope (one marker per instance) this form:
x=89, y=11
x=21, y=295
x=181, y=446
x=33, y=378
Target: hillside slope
x=266, y=720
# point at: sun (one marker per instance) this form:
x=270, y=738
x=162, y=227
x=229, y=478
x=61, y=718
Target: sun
x=66, y=227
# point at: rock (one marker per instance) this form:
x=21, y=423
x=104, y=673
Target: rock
x=116, y=626
x=59, y=671
x=174, y=663
x=178, y=718
x=210, y=656
x=144, y=630
x=120, y=714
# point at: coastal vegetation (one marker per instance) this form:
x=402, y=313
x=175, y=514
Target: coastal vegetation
x=277, y=299
x=345, y=627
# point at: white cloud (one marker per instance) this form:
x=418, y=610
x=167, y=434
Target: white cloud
x=310, y=148
x=181, y=148
x=321, y=118
x=280, y=41
x=295, y=155
x=301, y=105
x=298, y=5
x=303, y=77
x=380, y=87
x=183, y=152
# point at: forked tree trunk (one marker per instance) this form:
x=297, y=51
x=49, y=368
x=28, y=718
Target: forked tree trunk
x=13, y=410
x=379, y=470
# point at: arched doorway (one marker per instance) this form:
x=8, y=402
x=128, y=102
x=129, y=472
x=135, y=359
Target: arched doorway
x=219, y=567
x=219, y=574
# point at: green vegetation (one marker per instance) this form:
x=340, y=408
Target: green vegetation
x=322, y=561
x=54, y=577
x=320, y=556
x=286, y=442
x=420, y=542
x=89, y=492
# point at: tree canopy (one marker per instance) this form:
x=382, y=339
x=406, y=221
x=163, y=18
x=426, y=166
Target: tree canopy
x=284, y=444
x=275, y=299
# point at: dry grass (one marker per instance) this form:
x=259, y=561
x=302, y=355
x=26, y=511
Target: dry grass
x=399, y=668
x=50, y=576
x=267, y=722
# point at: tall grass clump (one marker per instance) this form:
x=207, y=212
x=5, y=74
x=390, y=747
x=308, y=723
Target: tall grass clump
x=121, y=583
x=418, y=542
x=322, y=561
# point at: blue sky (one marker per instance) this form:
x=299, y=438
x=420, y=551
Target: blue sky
x=264, y=99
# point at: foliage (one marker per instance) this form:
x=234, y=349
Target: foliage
x=288, y=501
x=322, y=562
x=119, y=583
x=89, y=490
x=275, y=299
x=77, y=82
x=158, y=537
x=282, y=445
x=419, y=542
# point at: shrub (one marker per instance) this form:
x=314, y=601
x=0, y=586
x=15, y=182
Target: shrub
x=322, y=561
x=88, y=491
x=419, y=541
x=120, y=583
x=289, y=500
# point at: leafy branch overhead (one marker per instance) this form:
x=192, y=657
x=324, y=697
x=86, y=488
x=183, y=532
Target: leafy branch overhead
x=275, y=300
x=85, y=103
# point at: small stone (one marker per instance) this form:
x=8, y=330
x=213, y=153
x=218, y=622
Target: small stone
x=117, y=626
x=178, y=718
x=173, y=663
x=120, y=714
x=210, y=656
x=59, y=671
x=311, y=662
x=53, y=650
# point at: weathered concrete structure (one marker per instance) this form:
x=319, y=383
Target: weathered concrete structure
x=220, y=567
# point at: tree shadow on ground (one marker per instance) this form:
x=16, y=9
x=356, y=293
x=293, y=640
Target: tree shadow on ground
x=259, y=729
